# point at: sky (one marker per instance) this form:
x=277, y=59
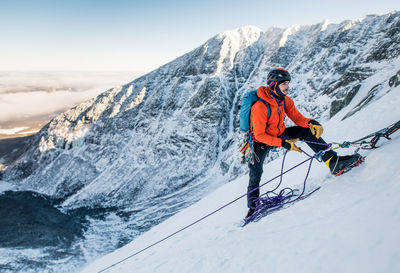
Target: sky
x=140, y=36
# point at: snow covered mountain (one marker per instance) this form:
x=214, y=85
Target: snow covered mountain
x=154, y=146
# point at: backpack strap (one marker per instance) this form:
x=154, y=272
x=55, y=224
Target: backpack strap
x=284, y=105
x=267, y=105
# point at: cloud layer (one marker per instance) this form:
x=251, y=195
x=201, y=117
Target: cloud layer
x=25, y=95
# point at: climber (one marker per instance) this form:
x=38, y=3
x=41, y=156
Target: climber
x=269, y=131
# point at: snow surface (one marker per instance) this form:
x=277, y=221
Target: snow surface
x=4, y=186
x=350, y=225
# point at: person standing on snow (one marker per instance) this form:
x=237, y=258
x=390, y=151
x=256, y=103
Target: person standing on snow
x=271, y=132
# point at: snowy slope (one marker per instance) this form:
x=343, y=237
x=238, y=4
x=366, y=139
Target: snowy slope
x=349, y=225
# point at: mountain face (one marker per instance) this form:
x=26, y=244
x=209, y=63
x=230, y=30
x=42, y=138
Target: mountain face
x=157, y=143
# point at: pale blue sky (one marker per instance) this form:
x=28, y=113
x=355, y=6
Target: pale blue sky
x=140, y=36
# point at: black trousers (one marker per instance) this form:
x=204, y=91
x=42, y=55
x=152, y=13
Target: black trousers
x=261, y=150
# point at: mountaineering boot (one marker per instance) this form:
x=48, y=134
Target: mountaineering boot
x=341, y=164
x=250, y=212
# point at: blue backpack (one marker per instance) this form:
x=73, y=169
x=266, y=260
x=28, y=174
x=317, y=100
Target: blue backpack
x=247, y=102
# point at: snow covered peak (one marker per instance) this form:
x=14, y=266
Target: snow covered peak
x=289, y=31
x=246, y=32
x=325, y=24
x=230, y=43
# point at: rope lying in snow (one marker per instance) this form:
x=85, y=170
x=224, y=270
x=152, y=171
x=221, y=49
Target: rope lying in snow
x=265, y=204
x=217, y=210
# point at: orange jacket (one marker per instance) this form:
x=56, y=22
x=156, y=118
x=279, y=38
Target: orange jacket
x=268, y=130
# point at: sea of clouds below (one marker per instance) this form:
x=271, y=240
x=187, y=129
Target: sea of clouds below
x=37, y=96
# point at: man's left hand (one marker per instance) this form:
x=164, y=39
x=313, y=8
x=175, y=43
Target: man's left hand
x=290, y=145
x=316, y=128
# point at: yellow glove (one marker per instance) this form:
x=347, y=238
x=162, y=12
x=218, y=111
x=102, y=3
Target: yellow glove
x=290, y=145
x=316, y=128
